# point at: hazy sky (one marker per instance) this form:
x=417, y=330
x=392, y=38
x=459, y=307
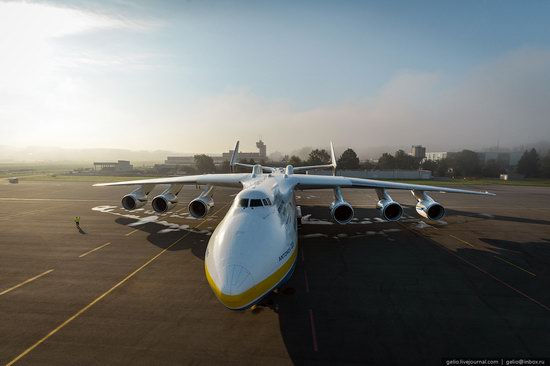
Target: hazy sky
x=194, y=76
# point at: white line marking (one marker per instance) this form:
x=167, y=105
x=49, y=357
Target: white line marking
x=93, y=250
x=25, y=282
x=131, y=232
x=99, y=298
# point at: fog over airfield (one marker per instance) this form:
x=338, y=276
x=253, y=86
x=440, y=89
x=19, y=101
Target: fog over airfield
x=194, y=76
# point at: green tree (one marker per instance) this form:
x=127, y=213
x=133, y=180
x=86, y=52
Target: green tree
x=405, y=161
x=386, y=162
x=295, y=160
x=430, y=165
x=443, y=167
x=545, y=166
x=367, y=165
x=318, y=157
x=529, y=164
x=466, y=163
x=348, y=160
x=492, y=168
x=225, y=167
x=204, y=164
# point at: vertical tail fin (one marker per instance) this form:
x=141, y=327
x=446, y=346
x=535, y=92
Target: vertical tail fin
x=332, y=159
x=234, y=157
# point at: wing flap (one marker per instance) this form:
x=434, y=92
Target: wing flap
x=220, y=180
x=324, y=181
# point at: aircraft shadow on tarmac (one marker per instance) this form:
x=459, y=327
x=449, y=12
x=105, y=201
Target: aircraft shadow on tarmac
x=194, y=241
x=484, y=216
x=409, y=301
x=399, y=300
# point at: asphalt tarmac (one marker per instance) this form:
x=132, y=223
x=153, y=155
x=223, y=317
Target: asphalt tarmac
x=125, y=290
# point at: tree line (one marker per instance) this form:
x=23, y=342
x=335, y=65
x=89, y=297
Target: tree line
x=462, y=164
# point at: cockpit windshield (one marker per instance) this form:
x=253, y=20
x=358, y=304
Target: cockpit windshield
x=254, y=202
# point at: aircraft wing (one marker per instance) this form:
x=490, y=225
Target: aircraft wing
x=220, y=180
x=304, y=182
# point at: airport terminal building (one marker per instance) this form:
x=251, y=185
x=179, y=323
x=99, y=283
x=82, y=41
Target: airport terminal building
x=258, y=156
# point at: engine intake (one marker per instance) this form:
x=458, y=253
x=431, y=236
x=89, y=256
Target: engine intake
x=428, y=208
x=389, y=209
x=199, y=207
x=134, y=200
x=164, y=202
x=340, y=210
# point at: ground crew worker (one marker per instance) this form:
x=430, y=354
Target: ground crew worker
x=77, y=220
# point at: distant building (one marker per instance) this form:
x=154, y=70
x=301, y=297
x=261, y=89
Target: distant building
x=506, y=159
x=174, y=161
x=257, y=156
x=179, y=160
x=436, y=156
x=120, y=166
x=418, y=151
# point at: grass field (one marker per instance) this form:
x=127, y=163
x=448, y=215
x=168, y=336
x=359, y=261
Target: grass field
x=533, y=182
x=79, y=178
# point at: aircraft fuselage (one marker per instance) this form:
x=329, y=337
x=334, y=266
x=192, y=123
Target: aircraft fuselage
x=254, y=248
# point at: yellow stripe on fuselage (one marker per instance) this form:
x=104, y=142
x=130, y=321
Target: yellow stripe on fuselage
x=241, y=300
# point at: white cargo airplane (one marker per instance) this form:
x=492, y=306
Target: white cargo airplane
x=254, y=248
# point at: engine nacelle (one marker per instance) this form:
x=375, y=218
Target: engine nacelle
x=427, y=207
x=341, y=211
x=199, y=207
x=389, y=209
x=430, y=210
x=134, y=200
x=164, y=202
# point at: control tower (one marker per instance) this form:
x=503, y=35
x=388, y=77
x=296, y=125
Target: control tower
x=263, y=149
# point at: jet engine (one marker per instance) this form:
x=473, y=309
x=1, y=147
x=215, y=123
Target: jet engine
x=389, y=209
x=427, y=207
x=164, y=202
x=340, y=210
x=199, y=207
x=134, y=200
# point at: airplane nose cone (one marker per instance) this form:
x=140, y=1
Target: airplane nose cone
x=233, y=285
x=236, y=279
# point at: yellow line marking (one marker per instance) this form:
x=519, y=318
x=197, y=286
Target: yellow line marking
x=462, y=241
x=93, y=250
x=518, y=267
x=25, y=282
x=131, y=232
x=100, y=297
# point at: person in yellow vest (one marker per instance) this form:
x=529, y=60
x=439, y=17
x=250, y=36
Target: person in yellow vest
x=77, y=221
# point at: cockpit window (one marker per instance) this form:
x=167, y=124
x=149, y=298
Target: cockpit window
x=243, y=202
x=265, y=202
x=255, y=203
